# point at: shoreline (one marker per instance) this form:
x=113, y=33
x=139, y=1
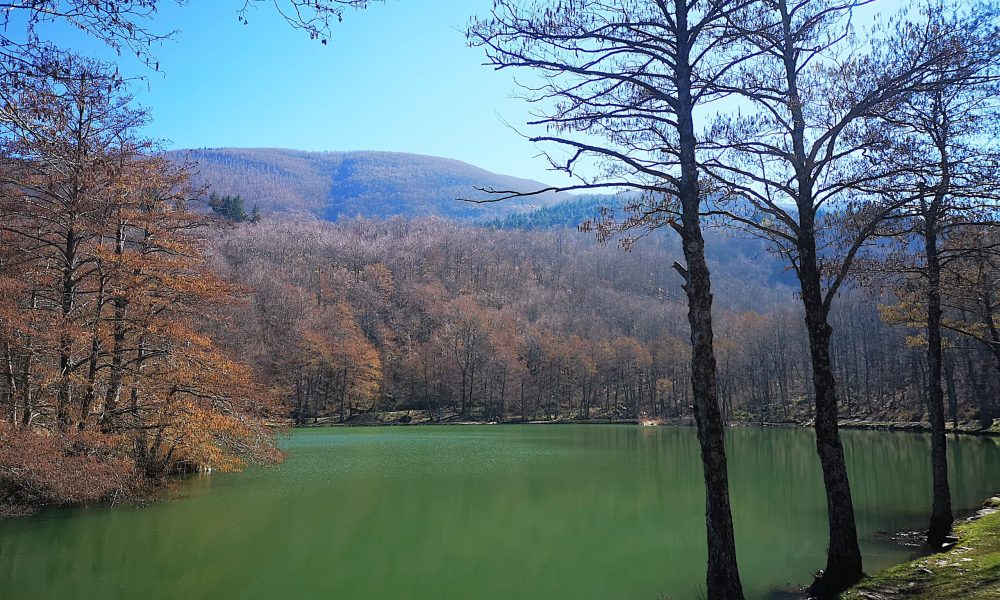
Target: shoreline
x=969, y=569
x=847, y=424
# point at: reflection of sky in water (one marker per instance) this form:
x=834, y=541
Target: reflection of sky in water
x=485, y=512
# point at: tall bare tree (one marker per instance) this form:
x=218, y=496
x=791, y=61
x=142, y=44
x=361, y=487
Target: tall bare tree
x=946, y=161
x=791, y=165
x=620, y=84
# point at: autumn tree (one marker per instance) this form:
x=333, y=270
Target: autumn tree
x=350, y=368
x=71, y=156
x=106, y=332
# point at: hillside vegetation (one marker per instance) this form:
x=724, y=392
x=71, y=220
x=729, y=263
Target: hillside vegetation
x=332, y=185
x=355, y=319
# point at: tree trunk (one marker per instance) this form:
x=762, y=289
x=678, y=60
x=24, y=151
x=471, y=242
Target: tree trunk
x=949, y=379
x=723, y=578
x=27, y=401
x=343, y=394
x=979, y=398
x=90, y=396
x=117, y=376
x=11, y=384
x=843, y=562
x=26, y=373
x=941, y=516
x=843, y=566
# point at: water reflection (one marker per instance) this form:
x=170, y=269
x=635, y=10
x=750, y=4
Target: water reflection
x=485, y=512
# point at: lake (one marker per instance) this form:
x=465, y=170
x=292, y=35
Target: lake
x=486, y=512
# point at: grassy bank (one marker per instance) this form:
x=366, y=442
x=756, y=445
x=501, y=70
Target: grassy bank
x=969, y=571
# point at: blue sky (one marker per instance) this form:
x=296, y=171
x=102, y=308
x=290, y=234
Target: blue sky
x=397, y=76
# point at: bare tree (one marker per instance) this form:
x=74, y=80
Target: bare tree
x=947, y=161
x=970, y=289
x=620, y=84
x=791, y=165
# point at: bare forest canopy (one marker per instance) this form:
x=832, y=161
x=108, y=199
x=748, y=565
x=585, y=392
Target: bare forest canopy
x=359, y=317
x=332, y=185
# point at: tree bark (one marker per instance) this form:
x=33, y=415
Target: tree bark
x=843, y=566
x=941, y=515
x=67, y=302
x=723, y=578
x=116, y=381
x=843, y=563
x=949, y=379
x=11, y=384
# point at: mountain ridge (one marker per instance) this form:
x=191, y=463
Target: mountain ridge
x=331, y=185
x=336, y=185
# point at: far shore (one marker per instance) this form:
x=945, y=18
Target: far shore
x=417, y=418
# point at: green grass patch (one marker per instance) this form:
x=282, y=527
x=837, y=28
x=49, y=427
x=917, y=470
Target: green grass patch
x=970, y=570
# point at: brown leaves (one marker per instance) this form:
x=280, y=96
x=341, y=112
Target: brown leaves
x=38, y=469
x=108, y=328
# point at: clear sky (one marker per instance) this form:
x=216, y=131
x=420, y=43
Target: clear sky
x=397, y=76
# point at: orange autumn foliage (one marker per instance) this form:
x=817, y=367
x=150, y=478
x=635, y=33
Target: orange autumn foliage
x=107, y=305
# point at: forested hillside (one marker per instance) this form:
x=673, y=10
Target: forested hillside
x=734, y=251
x=359, y=317
x=331, y=185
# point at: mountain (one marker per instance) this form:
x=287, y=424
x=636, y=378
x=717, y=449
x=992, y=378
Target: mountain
x=332, y=185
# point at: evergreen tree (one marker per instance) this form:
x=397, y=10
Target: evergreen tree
x=228, y=207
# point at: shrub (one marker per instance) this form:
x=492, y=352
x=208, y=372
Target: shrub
x=39, y=468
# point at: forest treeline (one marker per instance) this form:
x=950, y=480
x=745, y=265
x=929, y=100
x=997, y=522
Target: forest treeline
x=460, y=322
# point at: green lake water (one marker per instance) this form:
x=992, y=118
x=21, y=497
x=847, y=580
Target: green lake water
x=485, y=512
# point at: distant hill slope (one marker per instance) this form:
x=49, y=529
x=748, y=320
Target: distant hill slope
x=331, y=185
x=570, y=213
x=735, y=254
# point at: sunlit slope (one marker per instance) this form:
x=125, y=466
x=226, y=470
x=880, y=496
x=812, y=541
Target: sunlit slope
x=332, y=185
